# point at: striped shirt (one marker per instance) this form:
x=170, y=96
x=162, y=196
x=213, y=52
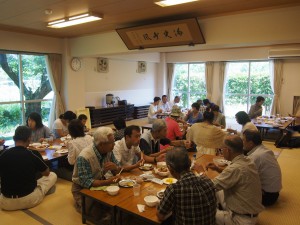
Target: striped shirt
x=191, y=200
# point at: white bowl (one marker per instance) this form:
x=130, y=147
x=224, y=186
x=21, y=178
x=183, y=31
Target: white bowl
x=112, y=190
x=161, y=164
x=151, y=200
x=163, y=174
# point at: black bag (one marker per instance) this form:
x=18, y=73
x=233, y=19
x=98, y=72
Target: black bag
x=284, y=139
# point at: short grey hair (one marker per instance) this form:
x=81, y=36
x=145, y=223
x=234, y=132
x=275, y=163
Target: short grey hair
x=158, y=125
x=101, y=135
x=178, y=159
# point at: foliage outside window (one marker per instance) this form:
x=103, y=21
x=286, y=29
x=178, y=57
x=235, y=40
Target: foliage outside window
x=189, y=83
x=244, y=82
x=25, y=88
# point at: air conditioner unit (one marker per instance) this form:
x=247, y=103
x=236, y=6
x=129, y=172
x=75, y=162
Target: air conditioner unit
x=284, y=53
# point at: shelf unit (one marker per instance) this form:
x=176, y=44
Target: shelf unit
x=105, y=116
x=140, y=111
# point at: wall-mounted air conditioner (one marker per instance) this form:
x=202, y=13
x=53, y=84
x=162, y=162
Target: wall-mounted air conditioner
x=284, y=53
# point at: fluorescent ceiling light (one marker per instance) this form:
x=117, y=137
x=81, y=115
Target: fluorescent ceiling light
x=165, y=3
x=74, y=20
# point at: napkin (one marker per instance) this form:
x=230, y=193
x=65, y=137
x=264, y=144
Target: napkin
x=101, y=188
x=141, y=208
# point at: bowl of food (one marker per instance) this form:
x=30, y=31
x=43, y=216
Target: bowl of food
x=146, y=167
x=160, y=194
x=220, y=161
x=163, y=171
x=112, y=190
x=151, y=200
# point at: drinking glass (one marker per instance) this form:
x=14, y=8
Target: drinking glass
x=136, y=189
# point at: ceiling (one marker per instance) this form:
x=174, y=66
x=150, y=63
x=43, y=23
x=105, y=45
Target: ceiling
x=29, y=16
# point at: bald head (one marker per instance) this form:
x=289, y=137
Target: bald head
x=234, y=143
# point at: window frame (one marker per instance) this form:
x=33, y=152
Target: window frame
x=248, y=95
x=188, y=92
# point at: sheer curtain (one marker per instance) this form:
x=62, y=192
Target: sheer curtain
x=54, y=67
x=276, y=84
x=209, y=68
x=170, y=74
x=222, y=76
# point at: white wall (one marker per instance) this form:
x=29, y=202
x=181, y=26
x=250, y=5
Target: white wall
x=30, y=43
x=291, y=85
x=122, y=80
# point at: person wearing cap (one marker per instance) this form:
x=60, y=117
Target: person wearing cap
x=18, y=168
x=173, y=128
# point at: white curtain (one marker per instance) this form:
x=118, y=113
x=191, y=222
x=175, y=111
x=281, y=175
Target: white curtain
x=276, y=84
x=170, y=74
x=209, y=69
x=222, y=76
x=54, y=67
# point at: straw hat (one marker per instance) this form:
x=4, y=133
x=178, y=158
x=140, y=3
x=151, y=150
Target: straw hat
x=176, y=111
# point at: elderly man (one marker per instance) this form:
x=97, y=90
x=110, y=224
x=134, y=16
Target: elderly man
x=18, y=169
x=95, y=165
x=164, y=105
x=192, y=199
x=266, y=164
x=241, y=185
x=150, y=140
x=128, y=148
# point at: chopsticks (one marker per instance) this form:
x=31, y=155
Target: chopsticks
x=142, y=158
x=120, y=171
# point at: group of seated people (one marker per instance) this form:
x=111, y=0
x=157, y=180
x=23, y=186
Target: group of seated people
x=237, y=195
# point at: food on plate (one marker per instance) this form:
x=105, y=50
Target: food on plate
x=146, y=167
x=163, y=169
x=127, y=183
x=169, y=180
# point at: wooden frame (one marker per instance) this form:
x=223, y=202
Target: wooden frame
x=102, y=65
x=174, y=33
x=142, y=67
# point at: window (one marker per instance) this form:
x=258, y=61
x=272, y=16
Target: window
x=244, y=82
x=25, y=88
x=189, y=83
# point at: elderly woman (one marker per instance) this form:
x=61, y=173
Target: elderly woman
x=40, y=132
x=243, y=119
x=219, y=118
x=60, y=125
x=193, y=115
x=79, y=141
x=207, y=137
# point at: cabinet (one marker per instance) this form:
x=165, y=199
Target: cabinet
x=140, y=111
x=105, y=116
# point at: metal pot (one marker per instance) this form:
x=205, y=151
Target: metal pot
x=110, y=99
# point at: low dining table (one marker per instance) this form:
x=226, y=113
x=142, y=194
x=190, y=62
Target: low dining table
x=126, y=203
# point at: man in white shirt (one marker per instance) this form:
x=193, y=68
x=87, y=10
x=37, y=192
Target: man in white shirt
x=175, y=101
x=128, y=148
x=164, y=105
x=266, y=164
x=154, y=110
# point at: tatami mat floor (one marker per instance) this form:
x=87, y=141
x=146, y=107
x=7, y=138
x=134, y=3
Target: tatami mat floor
x=57, y=208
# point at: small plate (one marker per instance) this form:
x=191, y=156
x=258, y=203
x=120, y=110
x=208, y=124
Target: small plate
x=160, y=194
x=127, y=183
x=146, y=167
x=62, y=151
x=169, y=180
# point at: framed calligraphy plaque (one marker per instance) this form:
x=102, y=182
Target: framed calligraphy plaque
x=174, y=33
